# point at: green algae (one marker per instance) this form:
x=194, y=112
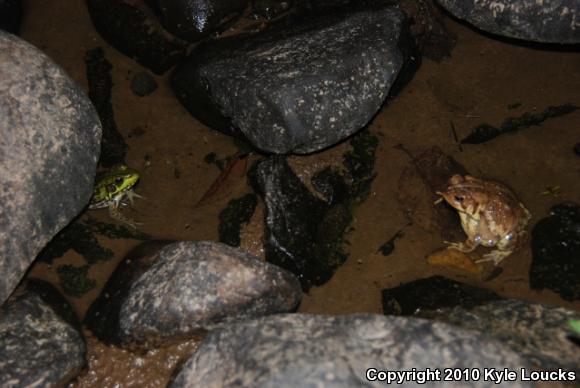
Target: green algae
x=238, y=212
x=485, y=132
x=74, y=281
x=80, y=236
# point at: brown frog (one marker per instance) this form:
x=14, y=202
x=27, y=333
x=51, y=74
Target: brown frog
x=491, y=216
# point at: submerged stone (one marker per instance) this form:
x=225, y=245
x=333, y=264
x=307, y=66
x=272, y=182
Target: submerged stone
x=540, y=21
x=238, y=212
x=431, y=294
x=324, y=351
x=303, y=232
x=297, y=87
x=556, y=252
x=187, y=287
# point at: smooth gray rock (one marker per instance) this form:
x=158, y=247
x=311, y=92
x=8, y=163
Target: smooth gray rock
x=49, y=145
x=549, y=21
x=325, y=351
x=194, y=19
x=300, y=86
x=537, y=332
x=38, y=348
x=198, y=285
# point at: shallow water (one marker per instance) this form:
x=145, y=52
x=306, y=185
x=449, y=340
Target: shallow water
x=478, y=84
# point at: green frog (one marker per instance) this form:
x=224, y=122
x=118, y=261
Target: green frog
x=112, y=188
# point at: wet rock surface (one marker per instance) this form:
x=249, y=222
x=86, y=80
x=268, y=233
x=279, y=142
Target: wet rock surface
x=136, y=33
x=539, y=21
x=537, y=332
x=193, y=19
x=143, y=84
x=317, y=350
x=302, y=231
x=38, y=347
x=431, y=294
x=46, y=115
x=187, y=287
x=556, y=252
x=297, y=87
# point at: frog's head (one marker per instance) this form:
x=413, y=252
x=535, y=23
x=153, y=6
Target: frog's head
x=463, y=193
x=122, y=180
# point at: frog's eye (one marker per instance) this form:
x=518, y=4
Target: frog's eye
x=119, y=180
x=458, y=198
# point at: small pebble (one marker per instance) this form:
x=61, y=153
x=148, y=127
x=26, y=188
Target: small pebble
x=143, y=84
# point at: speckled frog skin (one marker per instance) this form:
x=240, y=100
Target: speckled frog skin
x=113, y=188
x=491, y=216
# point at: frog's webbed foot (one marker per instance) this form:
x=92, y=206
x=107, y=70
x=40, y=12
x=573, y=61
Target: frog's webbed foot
x=465, y=247
x=117, y=215
x=496, y=256
x=131, y=195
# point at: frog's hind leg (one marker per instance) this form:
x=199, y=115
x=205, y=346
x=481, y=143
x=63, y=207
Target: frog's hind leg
x=117, y=215
x=496, y=256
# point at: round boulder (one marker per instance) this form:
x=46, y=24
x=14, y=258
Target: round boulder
x=49, y=145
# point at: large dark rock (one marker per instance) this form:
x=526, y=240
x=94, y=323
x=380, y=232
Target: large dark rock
x=194, y=19
x=50, y=138
x=38, y=346
x=537, y=332
x=556, y=252
x=298, y=86
x=553, y=21
x=186, y=287
x=324, y=351
x=136, y=33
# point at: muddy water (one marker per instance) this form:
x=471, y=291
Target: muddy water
x=476, y=85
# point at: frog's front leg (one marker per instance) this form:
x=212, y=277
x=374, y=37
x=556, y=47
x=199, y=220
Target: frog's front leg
x=496, y=256
x=468, y=246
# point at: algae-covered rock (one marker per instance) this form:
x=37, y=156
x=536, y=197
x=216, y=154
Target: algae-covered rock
x=431, y=294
